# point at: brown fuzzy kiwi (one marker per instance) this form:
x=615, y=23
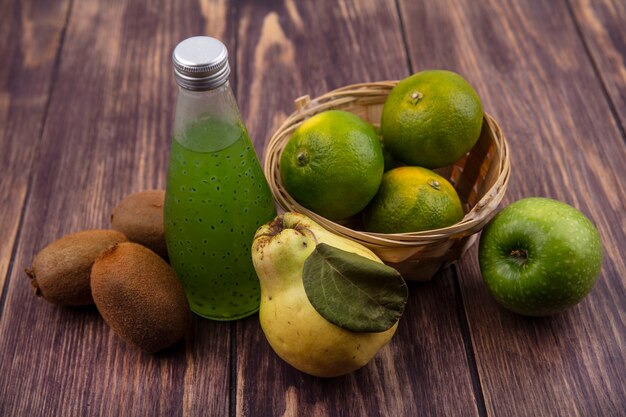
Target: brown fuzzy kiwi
x=60, y=271
x=140, y=217
x=138, y=295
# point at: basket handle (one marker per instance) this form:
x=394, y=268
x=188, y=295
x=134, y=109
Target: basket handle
x=302, y=102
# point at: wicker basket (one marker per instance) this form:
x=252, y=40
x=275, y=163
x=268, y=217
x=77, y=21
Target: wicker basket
x=480, y=178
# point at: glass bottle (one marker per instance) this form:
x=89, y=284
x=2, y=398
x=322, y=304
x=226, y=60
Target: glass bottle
x=216, y=195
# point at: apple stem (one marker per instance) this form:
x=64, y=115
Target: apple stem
x=520, y=256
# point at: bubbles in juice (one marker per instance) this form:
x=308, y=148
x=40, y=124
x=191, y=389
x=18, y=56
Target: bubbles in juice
x=216, y=199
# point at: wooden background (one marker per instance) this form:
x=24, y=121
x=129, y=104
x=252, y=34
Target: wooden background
x=86, y=105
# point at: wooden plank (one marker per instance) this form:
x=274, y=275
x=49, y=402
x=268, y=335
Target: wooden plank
x=530, y=67
x=26, y=74
x=288, y=49
x=107, y=135
x=602, y=25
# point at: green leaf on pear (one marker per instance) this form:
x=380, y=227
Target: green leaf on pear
x=353, y=292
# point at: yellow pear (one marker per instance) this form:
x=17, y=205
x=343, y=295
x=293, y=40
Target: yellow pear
x=292, y=326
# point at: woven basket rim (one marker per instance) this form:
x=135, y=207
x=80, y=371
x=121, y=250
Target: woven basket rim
x=306, y=107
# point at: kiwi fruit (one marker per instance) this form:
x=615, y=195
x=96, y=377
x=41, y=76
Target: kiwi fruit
x=60, y=272
x=139, y=296
x=140, y=217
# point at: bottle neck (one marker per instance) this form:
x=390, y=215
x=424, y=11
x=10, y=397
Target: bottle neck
x=207, y=121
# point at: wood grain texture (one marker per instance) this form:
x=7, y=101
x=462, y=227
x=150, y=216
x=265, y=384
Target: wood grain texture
x=288, y=49
x=602, y=25
x=533, y=74
x=551, y=73
x=30, y=33
x=106, y=135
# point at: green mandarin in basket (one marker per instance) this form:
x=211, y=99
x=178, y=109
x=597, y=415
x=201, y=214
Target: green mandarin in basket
x=431, y=119
x=333, y=164
x=412, y=199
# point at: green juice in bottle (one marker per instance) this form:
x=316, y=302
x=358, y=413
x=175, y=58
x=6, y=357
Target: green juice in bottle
x=216, y=196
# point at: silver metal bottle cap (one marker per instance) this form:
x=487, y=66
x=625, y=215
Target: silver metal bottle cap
x=200, y=63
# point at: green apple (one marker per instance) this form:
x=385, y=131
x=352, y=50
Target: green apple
x=539, y=256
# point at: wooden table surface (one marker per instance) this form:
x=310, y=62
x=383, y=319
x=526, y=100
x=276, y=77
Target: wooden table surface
x=86, y=106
